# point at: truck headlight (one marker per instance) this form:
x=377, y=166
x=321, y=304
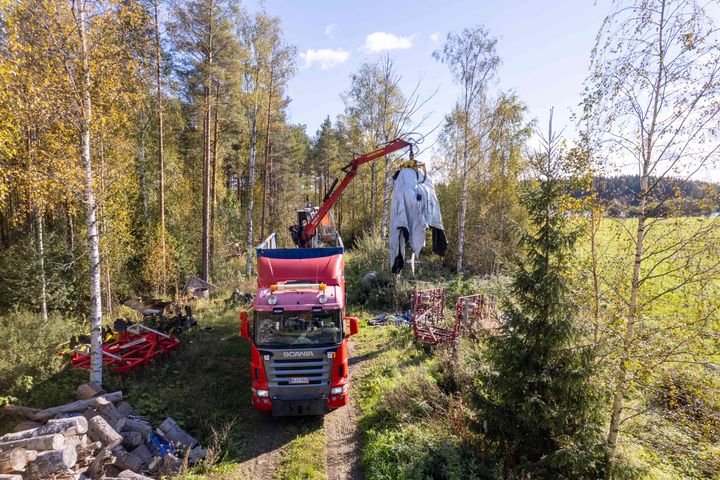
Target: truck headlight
x=272, y=300
x=322, y=299
x=262, y=393
x=339, y=390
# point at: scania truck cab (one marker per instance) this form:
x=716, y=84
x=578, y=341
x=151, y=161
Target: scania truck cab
x=298, y=331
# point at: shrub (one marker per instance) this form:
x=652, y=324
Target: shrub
x=29, y=365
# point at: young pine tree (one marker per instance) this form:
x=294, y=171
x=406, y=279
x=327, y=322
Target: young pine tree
x=537, y=406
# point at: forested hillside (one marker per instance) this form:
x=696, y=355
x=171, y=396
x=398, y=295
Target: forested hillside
x=146, y=141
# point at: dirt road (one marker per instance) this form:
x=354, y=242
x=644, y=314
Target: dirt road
x=342, y=439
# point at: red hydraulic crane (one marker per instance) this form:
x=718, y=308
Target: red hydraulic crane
x=350, y=171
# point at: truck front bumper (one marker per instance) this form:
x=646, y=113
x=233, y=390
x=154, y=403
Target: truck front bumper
x=294, y=408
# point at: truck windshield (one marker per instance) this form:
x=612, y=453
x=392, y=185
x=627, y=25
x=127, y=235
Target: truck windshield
x=299, y=328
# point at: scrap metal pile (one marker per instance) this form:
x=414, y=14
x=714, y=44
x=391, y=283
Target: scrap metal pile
x=472, y=314
x=132, y=345
x=97, y=437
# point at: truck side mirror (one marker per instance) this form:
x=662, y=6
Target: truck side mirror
x=244, y=325
x=354, y=326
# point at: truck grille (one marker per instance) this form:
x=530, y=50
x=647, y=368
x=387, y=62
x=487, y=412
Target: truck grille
x=280, y=370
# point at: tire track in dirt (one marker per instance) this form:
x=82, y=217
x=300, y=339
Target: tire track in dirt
x=342, y=437
x=264, y=450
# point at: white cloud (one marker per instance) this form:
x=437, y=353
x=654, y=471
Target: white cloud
x=327, y=58
x=330, y=30
x=382, y=41
x=434, y=37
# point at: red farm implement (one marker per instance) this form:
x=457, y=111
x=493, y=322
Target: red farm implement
x=135, y=347
x=472, y=312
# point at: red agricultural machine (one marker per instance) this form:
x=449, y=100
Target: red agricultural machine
x=472, y=313
x=135, y=347
x=129, y=345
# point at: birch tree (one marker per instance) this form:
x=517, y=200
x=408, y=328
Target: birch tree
x=379, y=112
x=652, y=102
x=473, y=62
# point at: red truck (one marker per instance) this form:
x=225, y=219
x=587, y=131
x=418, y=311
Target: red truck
x=299, y=332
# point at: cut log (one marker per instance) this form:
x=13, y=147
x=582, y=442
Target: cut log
x=126, y=460
x=13, y=460
x=154, y=464
x=111, y=471
x=132, y=425
x=65, y=426
x=133, y=475
x=196, y=454
x=100, y=430
x=10, y=476
x=125, y=409
x=175, y=435
x=108, y=411
x=87, y=450
x=97, y=468
x=88, y=390
x=77, y=406
x=50, y=463
x=20, y=411
x=54, y=441
x=31, y=455
x=131, y=439
x=170, y=464
x=143, y=453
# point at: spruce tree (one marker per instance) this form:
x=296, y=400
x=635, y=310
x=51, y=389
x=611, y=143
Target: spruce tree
x=537, y=405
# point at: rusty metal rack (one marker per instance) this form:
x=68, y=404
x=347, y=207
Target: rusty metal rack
x=472, y=312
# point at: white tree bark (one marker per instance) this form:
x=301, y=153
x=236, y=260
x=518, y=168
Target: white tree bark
x=251, y=190
x=41, y=263
x=90, y=206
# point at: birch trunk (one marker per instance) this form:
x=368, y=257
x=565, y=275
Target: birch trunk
x=266, y=174
x=213, y=177
x=373, y=175
x=161, y=145
x=90, y=207
x=251, y=190
x=633, y=307
x=463, y=192
x=205, y=274
x=41, y=263
x=386, y=200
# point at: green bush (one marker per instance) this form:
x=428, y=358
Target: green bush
x=420, y=451
x=31, y=371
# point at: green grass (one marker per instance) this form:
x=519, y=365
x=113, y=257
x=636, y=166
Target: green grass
x=411, y=427
x=676, y=436
x=304, y=457
x=204, y=385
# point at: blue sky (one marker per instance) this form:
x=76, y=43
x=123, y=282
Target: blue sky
x=544, y=45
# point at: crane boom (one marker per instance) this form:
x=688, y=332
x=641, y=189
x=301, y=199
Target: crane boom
x=350, y=171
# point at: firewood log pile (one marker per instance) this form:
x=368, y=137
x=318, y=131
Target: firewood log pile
x=99, y=436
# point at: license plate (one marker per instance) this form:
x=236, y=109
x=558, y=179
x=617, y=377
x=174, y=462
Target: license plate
x=299, y=380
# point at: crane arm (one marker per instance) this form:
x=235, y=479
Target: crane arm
x=350, y=171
